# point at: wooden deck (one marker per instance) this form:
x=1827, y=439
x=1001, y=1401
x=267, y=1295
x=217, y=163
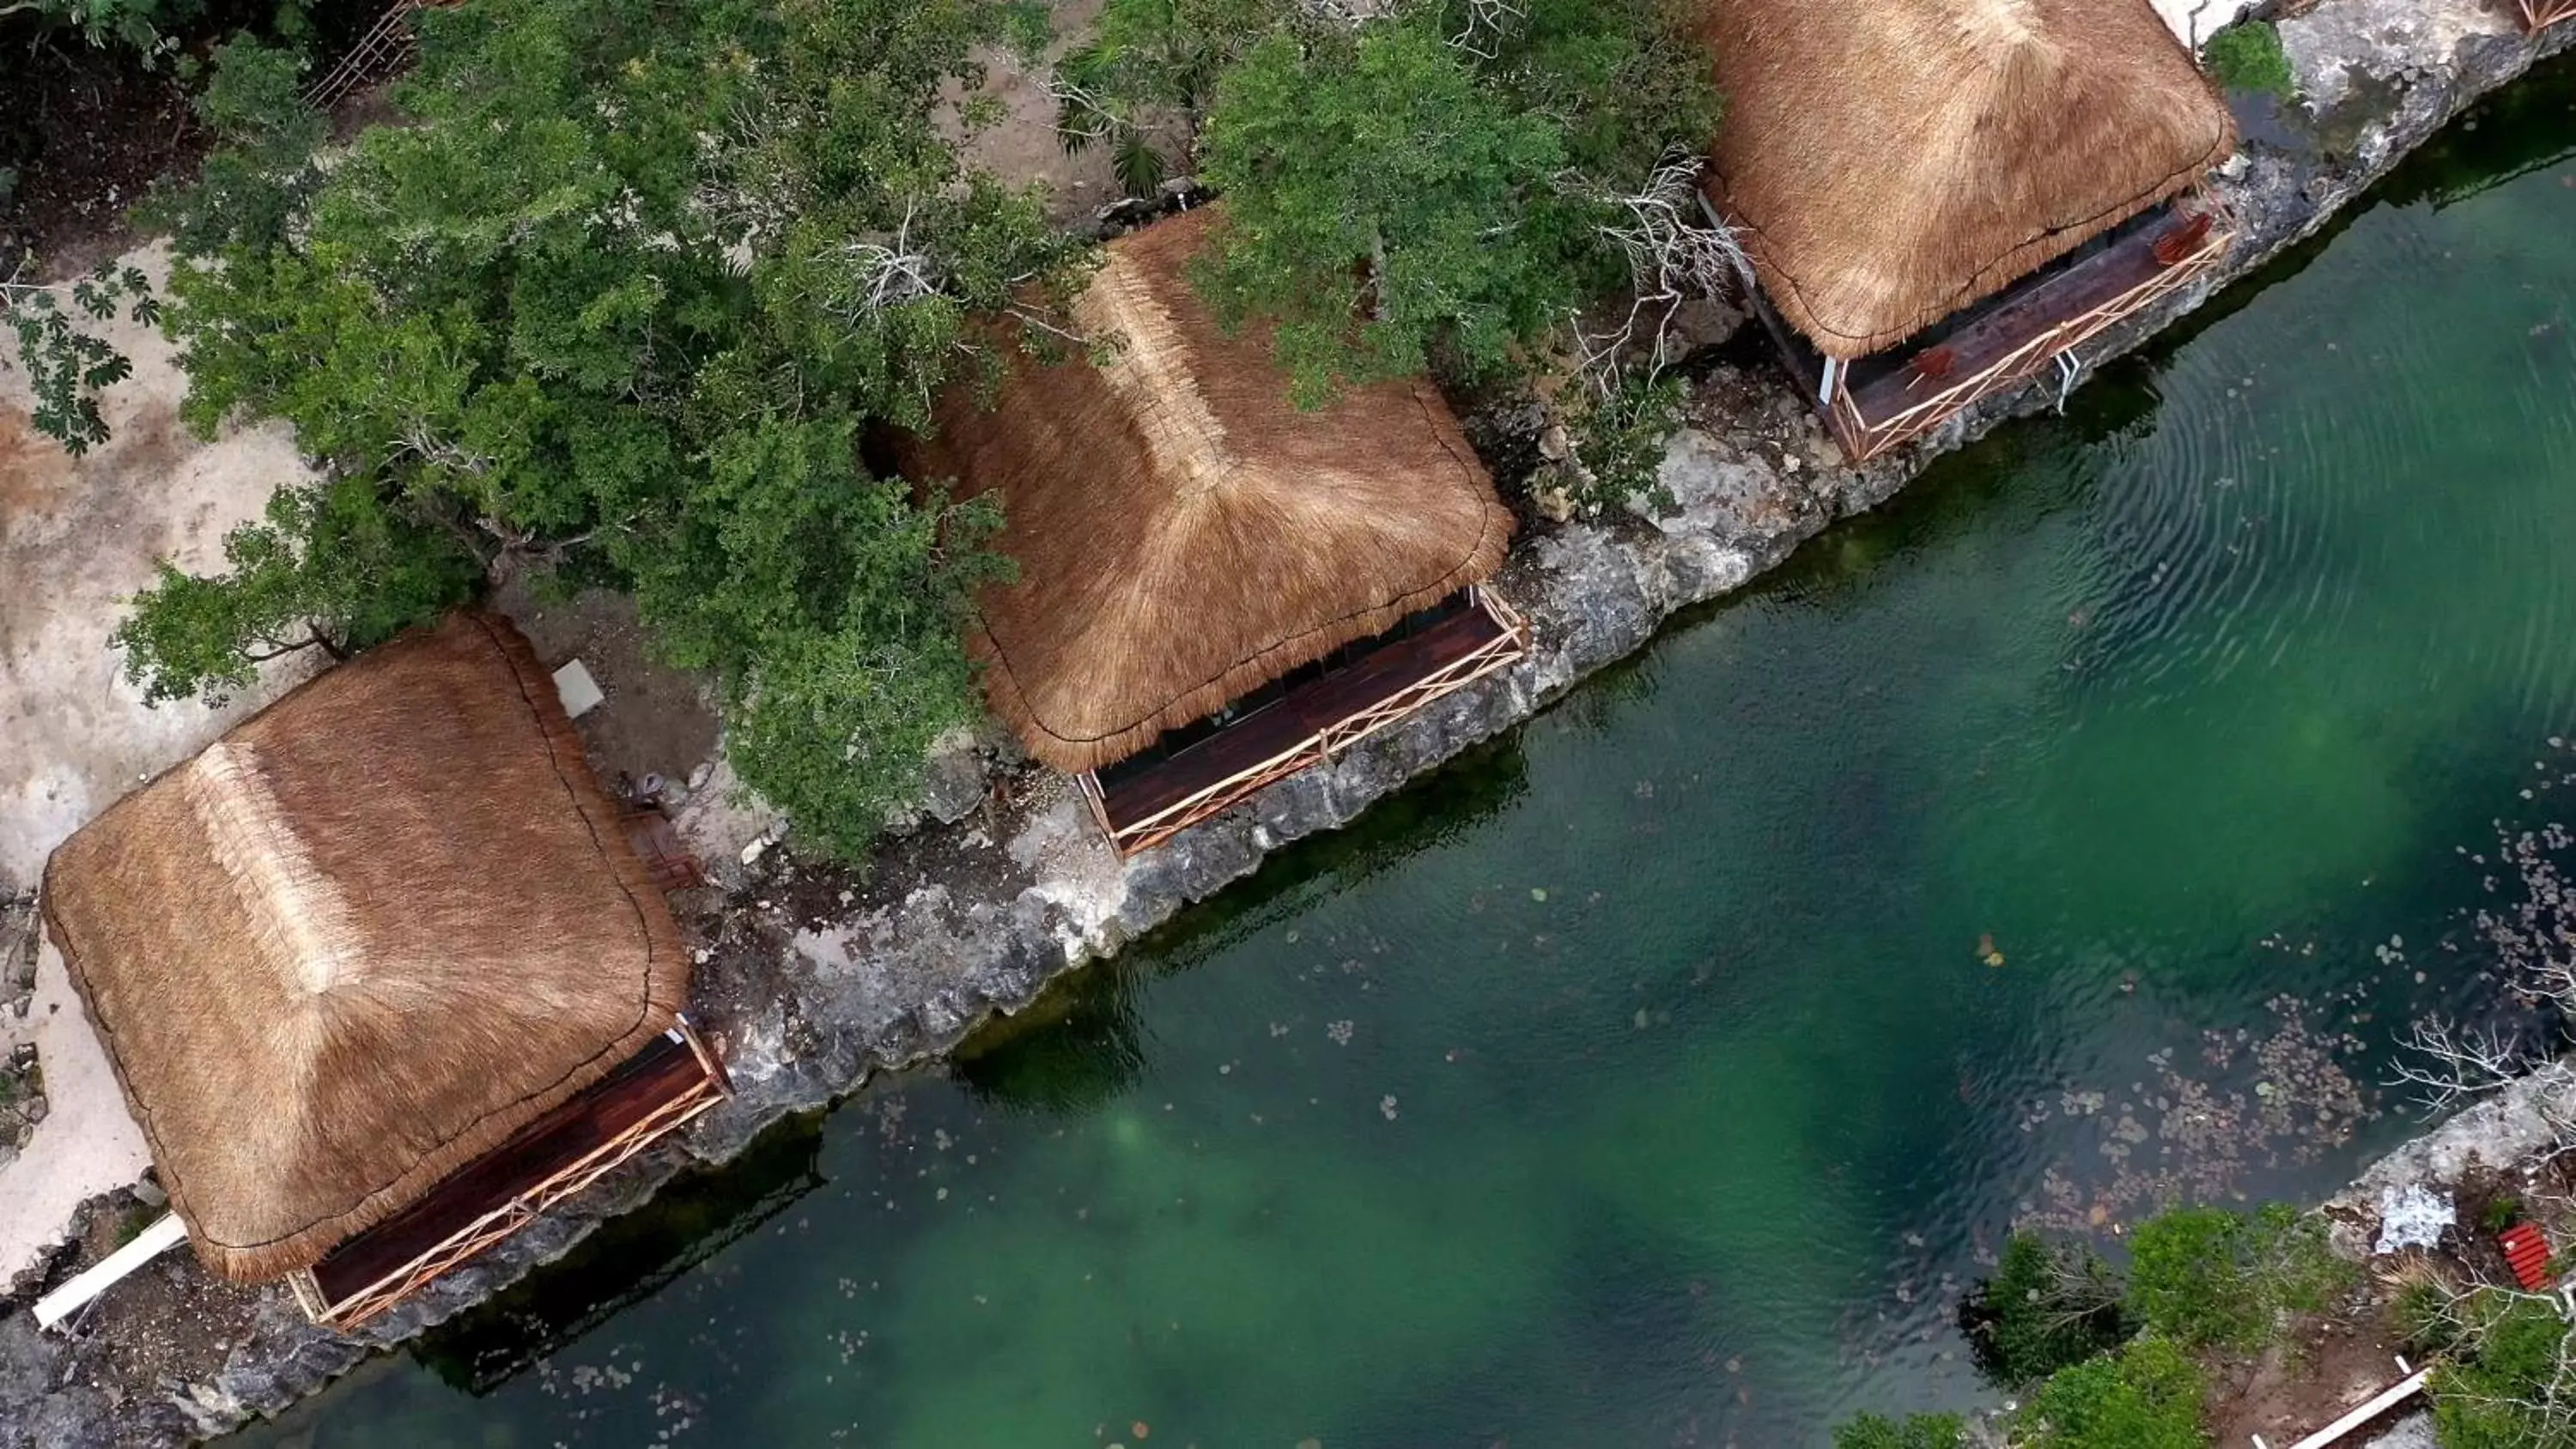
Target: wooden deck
x=653, y=1093
x=1896, y=396
x=1143, y=806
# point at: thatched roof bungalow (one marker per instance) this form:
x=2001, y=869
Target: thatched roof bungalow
x=1941, y=197
x=1190, y=546
x=379, y=972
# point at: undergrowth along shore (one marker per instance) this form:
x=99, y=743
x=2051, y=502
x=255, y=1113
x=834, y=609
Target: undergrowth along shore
x=2107, y=1358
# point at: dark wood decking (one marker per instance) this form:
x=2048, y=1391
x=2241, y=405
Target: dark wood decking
x=653, y=1078
x=1305, y=712
x=2024, y=313
x=2003, y=341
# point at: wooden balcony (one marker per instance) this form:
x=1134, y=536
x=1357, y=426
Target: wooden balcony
x=1896, y=396
x=1144, y=801
x=657, y=1091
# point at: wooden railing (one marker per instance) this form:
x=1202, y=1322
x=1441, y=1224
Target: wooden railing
x=2539, y=14
x=1864, y=438
x=386, y=47
x=1506, y=649
x=701, y=1095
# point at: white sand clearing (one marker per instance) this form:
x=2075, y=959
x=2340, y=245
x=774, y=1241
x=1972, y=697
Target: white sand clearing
x=77, y=538
x=87, y=1143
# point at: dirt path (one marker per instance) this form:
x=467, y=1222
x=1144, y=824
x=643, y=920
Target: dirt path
x=1022, y=147
x=76, y=539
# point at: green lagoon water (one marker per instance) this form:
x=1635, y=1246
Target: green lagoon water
x=1643, y=1080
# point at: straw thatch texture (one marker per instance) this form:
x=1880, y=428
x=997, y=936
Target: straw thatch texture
x=360, y=941
x=1183, y=534
x=1888, y=163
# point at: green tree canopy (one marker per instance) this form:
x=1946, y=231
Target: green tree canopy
x=2146, y=1396
x=328, y=568
x=1379, y=201
x=620, y=300
x=1425, y=186
x=2209, y=1277
x=263, y=167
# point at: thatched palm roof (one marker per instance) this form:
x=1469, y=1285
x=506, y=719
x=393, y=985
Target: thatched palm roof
x=360, y=941
x=1185, y=535
x=1888, y=163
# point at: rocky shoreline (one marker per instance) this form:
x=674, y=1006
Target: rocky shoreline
x=814, y=979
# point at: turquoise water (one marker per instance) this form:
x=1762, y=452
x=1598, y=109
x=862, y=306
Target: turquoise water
x=2067, y=836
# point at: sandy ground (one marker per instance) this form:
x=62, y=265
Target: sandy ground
x=1023, y=146
x=77, y=538
x=86, y=1145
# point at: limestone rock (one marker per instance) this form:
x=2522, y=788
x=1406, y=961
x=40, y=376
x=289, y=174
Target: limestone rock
x=955, y=779
x=1552, y=501
x=1703, y=322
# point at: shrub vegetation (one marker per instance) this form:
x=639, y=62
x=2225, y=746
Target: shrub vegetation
x=2207, y=1277
x=2044, y=1309
x=2145, y=1396
x=2247, y=56
x=1914, y=1431
x=2200, y=1281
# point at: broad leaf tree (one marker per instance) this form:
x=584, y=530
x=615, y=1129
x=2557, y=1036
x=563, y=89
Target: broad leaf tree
x=1450, y=183
x=67, y=366
x=329, y=568
x=621, y=299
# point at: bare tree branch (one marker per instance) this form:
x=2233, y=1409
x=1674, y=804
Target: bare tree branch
x=1672, y=258
x=2453, y=1064
x=1488, y=22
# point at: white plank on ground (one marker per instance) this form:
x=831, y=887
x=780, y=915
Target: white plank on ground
x=580, y=693
x=149, y=1244
x=2387, y=1399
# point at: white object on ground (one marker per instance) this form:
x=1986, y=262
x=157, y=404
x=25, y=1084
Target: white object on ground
x=2386, y=1399
x=2412, y=1216
x=579, y=692
x=2194, y=21
x=87, y=1144
x=149, y=1244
